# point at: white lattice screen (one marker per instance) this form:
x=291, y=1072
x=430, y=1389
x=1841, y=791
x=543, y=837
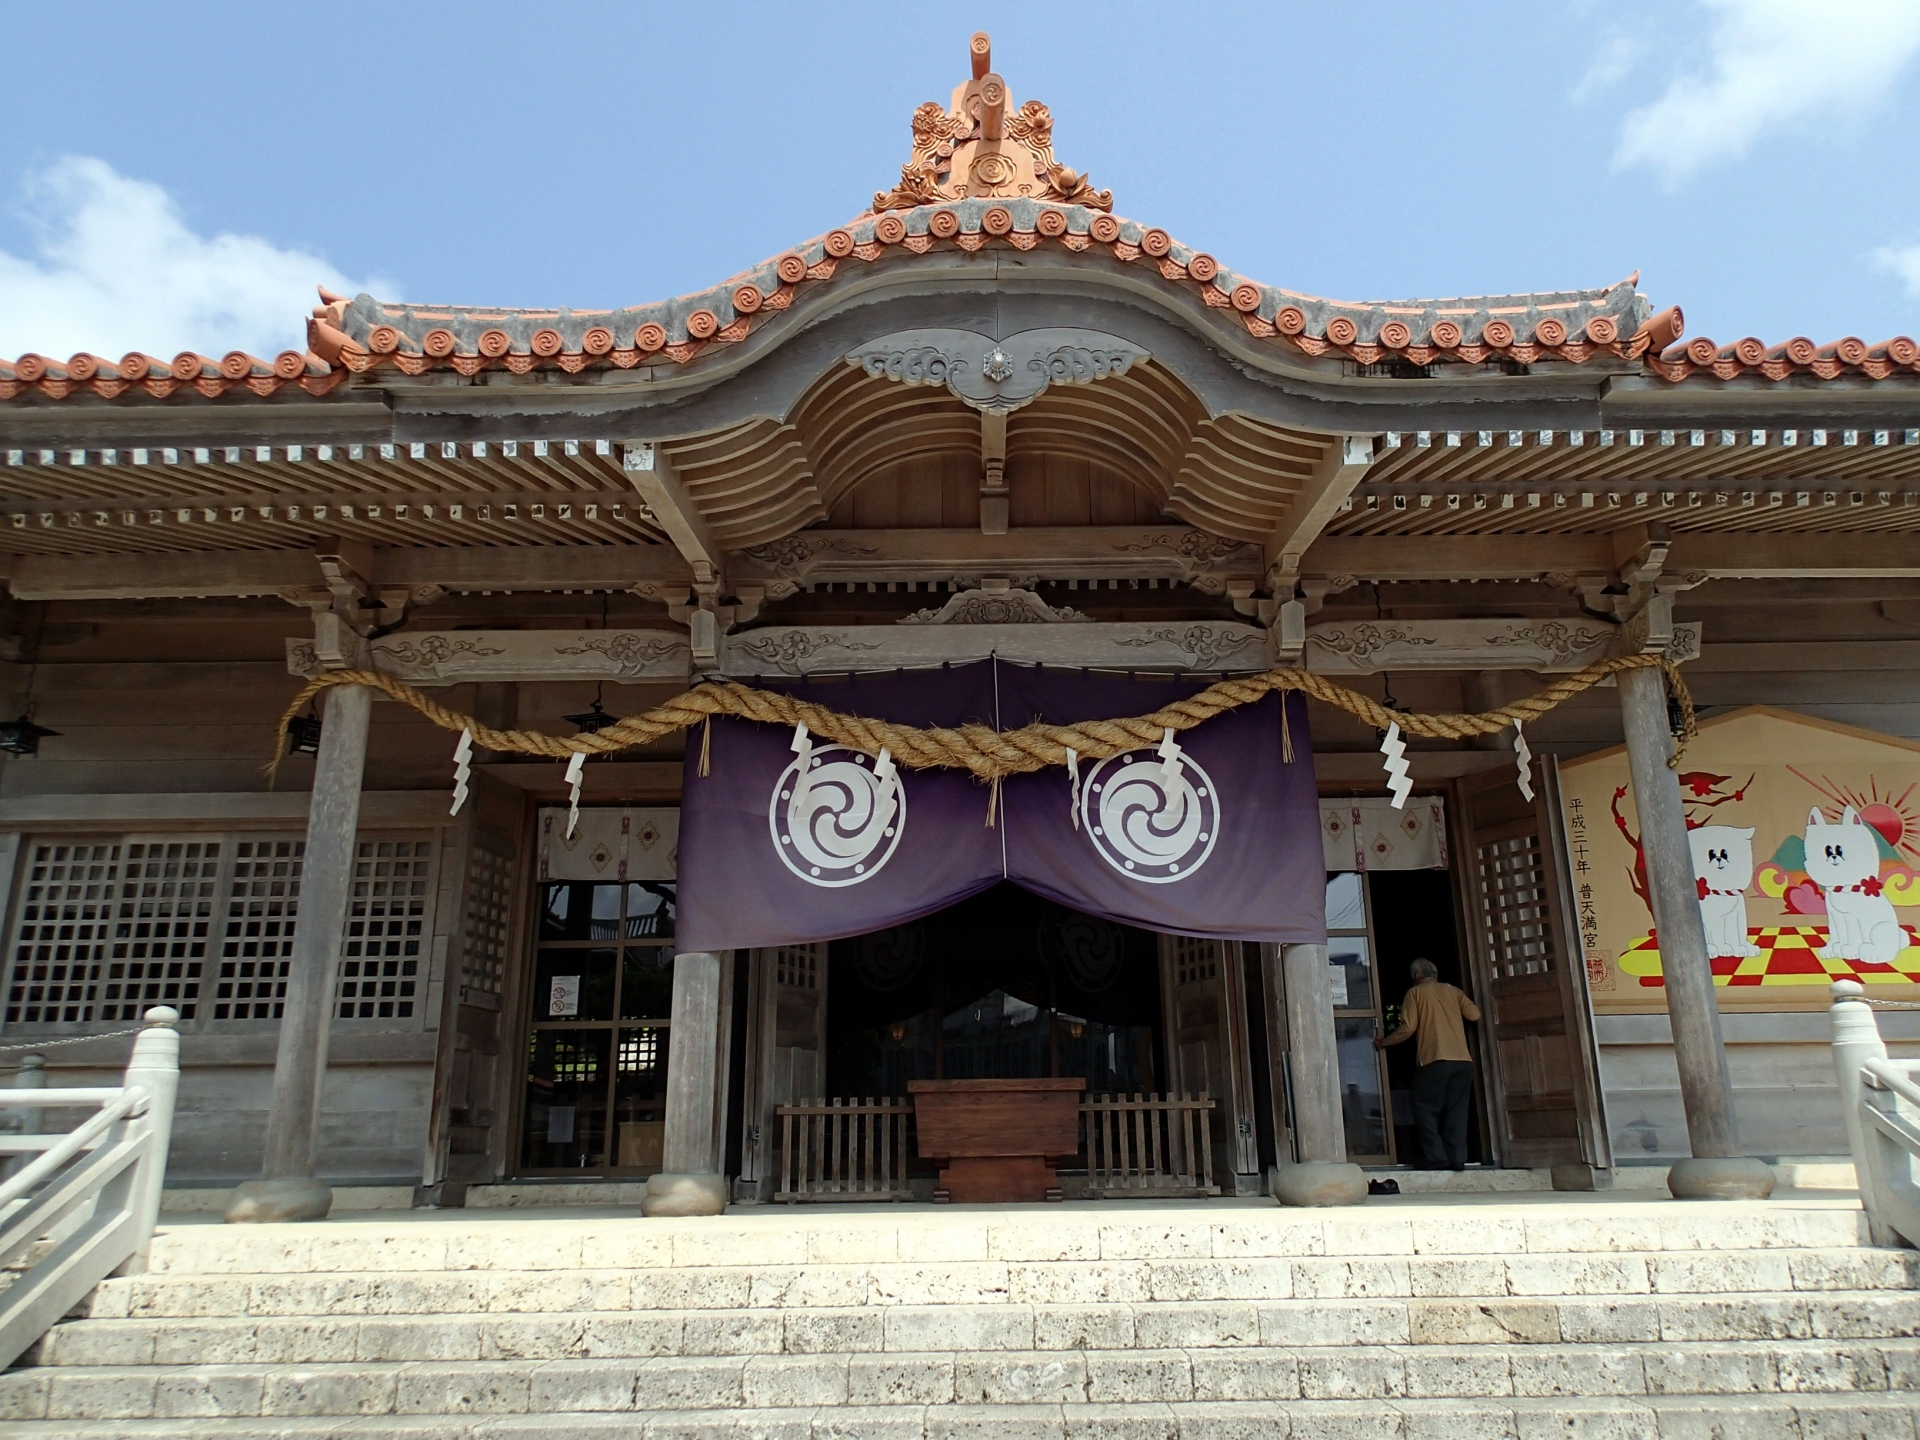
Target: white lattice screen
x=108, y=926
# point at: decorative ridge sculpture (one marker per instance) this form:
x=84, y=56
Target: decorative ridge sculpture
x=981, y=147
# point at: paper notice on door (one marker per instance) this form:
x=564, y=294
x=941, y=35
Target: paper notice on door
x=560, y=1125
x=1338, y=966
x=564, y=998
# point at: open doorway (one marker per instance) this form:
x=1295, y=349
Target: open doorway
x=1005, y=984
x=1378, y=924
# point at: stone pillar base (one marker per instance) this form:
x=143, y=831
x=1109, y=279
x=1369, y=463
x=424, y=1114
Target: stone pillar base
x=1319, y=1182
x=685, y=1195
x=274, y=1202
x=1737, y=1178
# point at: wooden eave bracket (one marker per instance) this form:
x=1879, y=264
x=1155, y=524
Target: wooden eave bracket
x=1334, y=479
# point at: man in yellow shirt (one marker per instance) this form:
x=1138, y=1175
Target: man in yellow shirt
x=1431, y=1016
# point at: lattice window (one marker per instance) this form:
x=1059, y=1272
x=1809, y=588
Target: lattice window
x=483, y=963
x=572, y=1059
x=389, y=930
x=797, y=965
x=64, y=931
x=162, y=929
x=641, y=1049
x=256, y=950
x=1513, y=888
x=1195, y=960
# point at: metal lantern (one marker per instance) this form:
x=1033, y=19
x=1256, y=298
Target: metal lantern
x=22, y=736
x=590, y=721
x=303, y=734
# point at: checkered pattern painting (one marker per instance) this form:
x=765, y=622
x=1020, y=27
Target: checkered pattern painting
x=1789, y=955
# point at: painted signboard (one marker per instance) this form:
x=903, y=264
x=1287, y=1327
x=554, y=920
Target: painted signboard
x=1806, y=851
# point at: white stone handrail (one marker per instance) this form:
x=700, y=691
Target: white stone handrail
x=86, y=1207
x=1880, y=1101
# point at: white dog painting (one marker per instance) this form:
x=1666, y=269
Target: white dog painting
x=1723, y=869
x=1844, y=861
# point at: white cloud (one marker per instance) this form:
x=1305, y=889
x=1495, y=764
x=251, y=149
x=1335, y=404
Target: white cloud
x=116, y=268
x=1610, y=66
x=1772, y=63
x=1904, y=261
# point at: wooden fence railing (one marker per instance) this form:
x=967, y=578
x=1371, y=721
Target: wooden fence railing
x=844, y=1150
x=1148, y=1145
x=1138, y=1146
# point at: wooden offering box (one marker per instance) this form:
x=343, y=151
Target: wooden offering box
x=995, y=1137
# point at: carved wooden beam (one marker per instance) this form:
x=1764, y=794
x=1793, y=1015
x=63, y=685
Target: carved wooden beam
x=1343, y=467
x=653, y=476
x=1543, y=646
x=1093, y=552
x=1176, y=646
x=650, y=570
x=430, y=658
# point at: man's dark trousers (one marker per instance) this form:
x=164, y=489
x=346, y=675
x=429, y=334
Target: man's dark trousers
x=1441, y=1091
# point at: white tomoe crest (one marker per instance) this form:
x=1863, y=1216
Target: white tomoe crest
x=843, y=821
x=1153, y=816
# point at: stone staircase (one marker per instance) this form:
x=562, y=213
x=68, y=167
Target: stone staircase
x=1472, y=1316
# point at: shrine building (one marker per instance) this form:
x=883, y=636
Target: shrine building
x=987, y=455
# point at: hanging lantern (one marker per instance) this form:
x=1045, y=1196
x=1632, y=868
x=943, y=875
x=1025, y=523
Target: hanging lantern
x=590, y=721
x=1676, y=716
x=22, y=736
x=303, y=734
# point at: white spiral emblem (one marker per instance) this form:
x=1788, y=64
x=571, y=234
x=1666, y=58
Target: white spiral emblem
x=1147, y=825
x=842, y=823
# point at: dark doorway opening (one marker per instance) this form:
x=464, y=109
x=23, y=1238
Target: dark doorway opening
x=1004, y=984
x=1413, y=917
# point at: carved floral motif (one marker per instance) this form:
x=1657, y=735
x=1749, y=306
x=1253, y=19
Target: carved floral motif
x=1207, y=644
x=786, y=649
x=1368, y=638
x=982, y=607
x=629, y=653
x=1555, y=637
x=789, y=557
x=430, y=652
x=997, y=374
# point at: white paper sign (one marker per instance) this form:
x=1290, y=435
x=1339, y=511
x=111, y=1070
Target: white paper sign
x=560, y=1125
x=564, y=998
x=1338, y=966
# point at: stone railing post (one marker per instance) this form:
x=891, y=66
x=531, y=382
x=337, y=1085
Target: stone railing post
x=1717, y=1169
x=155, y=1067
x=1856, y=1040
x=287, y=1189
x=1322, y=1175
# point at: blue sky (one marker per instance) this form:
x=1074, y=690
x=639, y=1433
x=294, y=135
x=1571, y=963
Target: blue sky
x=180, y=176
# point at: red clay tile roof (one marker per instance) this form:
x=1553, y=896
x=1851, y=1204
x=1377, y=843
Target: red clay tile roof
x=364, y=335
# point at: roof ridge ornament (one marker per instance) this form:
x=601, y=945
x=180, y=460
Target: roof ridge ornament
x=981, y=147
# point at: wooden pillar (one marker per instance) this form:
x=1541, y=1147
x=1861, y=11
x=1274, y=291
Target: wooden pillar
x=1314, y=1062
x=690, y=1182
x=288, y=1189
x=1706, y=1090
x=1323, y=1175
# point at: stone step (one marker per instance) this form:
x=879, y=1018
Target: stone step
x=720, y=1287
x=1826, y=1316
x=553, y=1240
x=1073, y=1378
x=1800, y=1417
